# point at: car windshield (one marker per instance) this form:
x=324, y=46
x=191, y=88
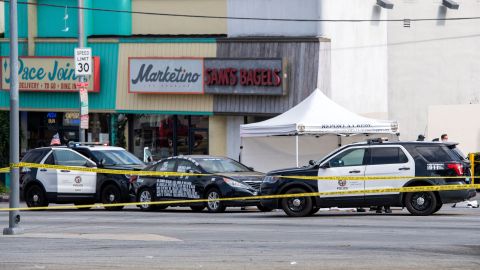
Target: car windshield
x=116, y=157
x=221, y=165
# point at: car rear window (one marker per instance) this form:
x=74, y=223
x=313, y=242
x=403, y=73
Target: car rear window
x=35, y=156
x=438, y=153
x=387, y=155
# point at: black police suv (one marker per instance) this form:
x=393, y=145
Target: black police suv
x=42, y=186
x=222, y=178
x=374, y=158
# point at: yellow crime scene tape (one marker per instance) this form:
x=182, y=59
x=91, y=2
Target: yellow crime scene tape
x=182, y=174
x=278, y=196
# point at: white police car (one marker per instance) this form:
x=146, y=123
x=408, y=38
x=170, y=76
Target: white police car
x=375, y=158
x=41, y=186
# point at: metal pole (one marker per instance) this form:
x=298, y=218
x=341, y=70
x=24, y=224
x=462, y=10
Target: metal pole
x=472, y=165
x=81, y=44
x=14, y=216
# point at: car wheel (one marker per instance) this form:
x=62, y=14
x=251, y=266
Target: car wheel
x=264, y=209
x=197, y=208
x=145, y=196
x=439, y=206
x=110, y=195
x=213, y=204
x=297, y=206
x=35, y=196
x=421, y=203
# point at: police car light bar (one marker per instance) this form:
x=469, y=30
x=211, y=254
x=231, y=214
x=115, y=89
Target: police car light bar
x=75, y=144
x=377, y=140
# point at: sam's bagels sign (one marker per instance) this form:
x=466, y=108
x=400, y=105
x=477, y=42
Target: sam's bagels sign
x=48, y=74
x=207, y=76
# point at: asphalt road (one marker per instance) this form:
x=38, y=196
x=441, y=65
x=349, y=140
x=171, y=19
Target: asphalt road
x=179, y=239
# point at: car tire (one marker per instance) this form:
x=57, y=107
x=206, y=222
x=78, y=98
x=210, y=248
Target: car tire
x=421, y=203
x=110, y=195
x=35, y=196
x=439, y=206
x=145, y=195
x=262, y=208
x=196, y=208
x=297, y=206
x=214, y=206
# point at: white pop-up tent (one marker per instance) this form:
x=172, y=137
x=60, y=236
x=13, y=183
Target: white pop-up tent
x=282, y=142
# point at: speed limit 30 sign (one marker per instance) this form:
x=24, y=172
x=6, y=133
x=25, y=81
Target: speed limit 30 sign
x=83, y=61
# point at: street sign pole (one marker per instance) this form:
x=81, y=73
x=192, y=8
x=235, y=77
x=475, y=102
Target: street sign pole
x=14, y=216
x=81, y=78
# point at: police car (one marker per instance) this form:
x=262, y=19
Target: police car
x=41, y=186
x=374, y=158
x=223, y=177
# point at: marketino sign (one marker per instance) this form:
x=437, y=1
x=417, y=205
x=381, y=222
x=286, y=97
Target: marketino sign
x=48, y=74
x=165, y=75
x=207, y=76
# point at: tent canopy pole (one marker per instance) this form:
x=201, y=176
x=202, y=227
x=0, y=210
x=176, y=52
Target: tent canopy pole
x=296, y=148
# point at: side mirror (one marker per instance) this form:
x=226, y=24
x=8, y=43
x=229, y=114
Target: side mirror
x=311, y=162
x=251, y=169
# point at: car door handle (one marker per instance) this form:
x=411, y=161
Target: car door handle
x=404, y=169
x=64, y=170
x=43, y=170
x=354, y=171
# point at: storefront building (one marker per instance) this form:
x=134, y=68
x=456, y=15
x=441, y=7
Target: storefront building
x=49, y=101
x=173, y=94
x=189, y=96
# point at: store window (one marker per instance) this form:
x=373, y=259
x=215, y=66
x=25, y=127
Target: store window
x=42, y=126
x=170, y=135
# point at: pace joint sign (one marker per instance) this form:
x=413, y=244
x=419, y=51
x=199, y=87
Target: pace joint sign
x=83, y=61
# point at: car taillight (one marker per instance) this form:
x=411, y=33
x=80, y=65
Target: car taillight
x=458, y=168
x=133, y=179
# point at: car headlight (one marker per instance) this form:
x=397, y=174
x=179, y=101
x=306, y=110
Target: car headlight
x=270, y=179
x=235, y=184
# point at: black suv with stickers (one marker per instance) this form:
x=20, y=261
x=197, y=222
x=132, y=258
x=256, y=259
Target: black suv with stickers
x=41, y=186
x=220, y=177
x=374, y=158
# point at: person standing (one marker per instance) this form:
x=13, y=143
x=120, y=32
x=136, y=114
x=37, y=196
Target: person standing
x=420, y=138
